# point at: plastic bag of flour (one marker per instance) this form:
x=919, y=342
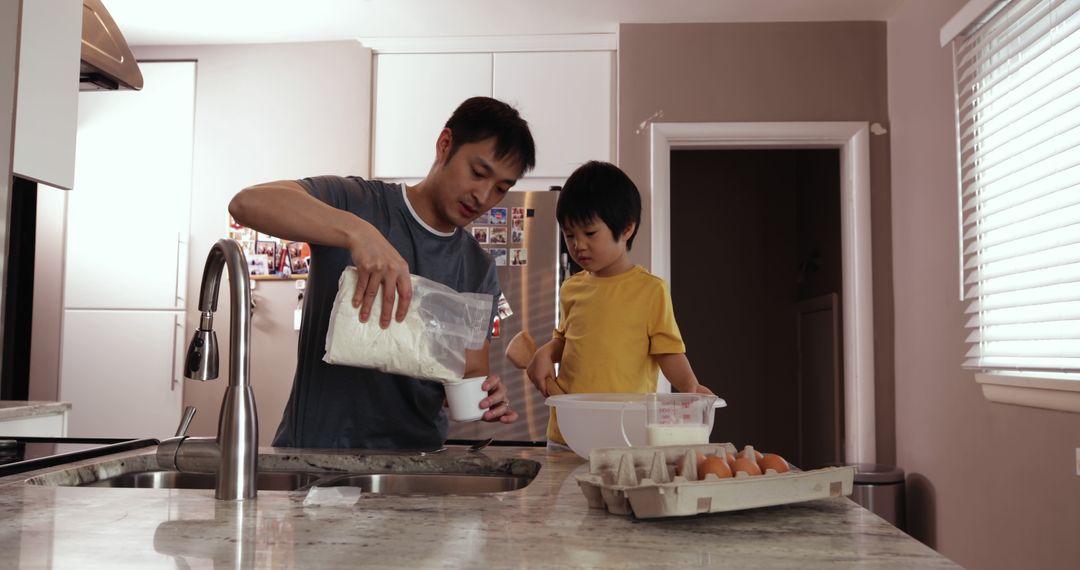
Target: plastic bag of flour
x=429, y=344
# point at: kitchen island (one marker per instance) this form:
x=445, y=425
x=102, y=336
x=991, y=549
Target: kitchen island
x=547, y=524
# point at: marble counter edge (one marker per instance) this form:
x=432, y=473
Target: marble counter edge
x=11, y=409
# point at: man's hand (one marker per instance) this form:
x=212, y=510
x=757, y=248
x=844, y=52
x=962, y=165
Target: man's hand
x=378, y=264
x=285, y=209
x=496, y=404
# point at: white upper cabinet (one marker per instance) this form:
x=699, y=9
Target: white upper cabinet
x=567, y=99
x=48, y=90
x=414, y=96
x=566, y=96
x=129, y=215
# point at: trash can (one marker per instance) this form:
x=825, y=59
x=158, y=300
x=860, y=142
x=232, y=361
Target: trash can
x=880, y=489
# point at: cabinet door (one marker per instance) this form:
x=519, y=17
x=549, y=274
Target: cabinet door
x=50, y=40
x=567, y=99
x=128, y=218
x=414, y=96
x=120, y=372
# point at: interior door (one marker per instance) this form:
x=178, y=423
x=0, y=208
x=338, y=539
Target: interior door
x=821, y=392
x=753, y=232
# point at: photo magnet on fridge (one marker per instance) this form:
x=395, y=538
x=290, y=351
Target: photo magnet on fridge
x=519, y=256
x=480, y=234
x=269, y=249
x=499, y=255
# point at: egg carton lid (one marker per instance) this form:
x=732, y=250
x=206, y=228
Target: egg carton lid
x=642, y=481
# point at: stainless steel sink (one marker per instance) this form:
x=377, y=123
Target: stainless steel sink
x=428, y=483
x=266, y=481
x=469, y=474
x=376, y=483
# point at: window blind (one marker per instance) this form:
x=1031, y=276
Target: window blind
x=1018, y=124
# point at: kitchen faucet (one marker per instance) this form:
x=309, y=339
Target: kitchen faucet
x=236, y=445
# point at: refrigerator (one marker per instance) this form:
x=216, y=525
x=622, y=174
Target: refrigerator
x=522, y=235
x=124, y=281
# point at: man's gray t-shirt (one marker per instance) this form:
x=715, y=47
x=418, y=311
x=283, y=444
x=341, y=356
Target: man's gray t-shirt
x=343, y=406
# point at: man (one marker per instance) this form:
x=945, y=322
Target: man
x=389, y=231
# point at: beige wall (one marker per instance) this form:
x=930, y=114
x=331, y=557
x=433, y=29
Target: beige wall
x=265, y=112
x=994, y=486
x=767, y=72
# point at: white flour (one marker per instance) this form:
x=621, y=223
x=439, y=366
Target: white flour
x=409, y=348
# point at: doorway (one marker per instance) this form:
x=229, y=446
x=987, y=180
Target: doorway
x=851, y=139
x=755, y=251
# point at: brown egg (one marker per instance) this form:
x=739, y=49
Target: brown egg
x=731, y=457
x=715, y=465
x=747, y=465
x=774, y=462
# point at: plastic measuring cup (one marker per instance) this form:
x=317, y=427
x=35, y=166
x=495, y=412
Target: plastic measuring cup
x=676, y=419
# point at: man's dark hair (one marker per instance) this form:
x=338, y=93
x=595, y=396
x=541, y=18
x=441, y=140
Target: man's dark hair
x=600, y=190
x=481, y=118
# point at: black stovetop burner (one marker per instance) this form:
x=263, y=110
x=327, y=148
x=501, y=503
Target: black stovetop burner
x=21, y=454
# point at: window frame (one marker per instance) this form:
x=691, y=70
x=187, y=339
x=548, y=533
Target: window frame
x=1038, y=389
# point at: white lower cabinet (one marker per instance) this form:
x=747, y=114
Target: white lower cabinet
x=122, y=372
x=43, y=425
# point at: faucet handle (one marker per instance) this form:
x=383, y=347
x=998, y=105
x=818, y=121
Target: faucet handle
x=185, y=422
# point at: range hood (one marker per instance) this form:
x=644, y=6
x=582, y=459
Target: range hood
x=107, y=62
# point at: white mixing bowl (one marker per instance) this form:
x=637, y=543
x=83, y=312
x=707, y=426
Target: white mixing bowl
x=589, y=421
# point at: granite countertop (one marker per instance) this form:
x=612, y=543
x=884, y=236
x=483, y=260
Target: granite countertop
x=546, y=524
x=10, y=409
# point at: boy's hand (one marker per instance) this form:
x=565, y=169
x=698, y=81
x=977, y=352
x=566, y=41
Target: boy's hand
x=541, y=371
x=699, y=389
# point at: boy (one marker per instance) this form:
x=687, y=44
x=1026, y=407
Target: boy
x=389, y=231
x=617, y=326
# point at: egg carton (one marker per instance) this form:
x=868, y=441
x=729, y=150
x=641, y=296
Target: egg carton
x=661, y=481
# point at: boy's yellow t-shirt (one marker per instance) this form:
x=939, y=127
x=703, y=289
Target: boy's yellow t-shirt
x=612, y=328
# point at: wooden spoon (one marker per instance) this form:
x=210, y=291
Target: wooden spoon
x=520, y=351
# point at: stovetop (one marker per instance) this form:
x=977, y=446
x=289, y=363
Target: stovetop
x=31, y=453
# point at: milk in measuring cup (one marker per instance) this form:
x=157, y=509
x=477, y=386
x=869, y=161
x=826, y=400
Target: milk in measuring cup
x=678, y=419
x=678, y=434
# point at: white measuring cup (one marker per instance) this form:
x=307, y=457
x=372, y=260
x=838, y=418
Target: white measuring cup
x=675, y=419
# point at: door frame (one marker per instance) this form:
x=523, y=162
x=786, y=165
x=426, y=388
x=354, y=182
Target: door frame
x=853, y=140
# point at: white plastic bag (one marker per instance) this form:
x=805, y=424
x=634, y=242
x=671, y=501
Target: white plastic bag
x=429, y=344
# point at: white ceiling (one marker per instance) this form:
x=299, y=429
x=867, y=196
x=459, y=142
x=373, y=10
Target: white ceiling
x=174, y=22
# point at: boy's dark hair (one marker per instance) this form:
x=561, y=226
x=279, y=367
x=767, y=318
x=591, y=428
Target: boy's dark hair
x=480, y=118
x=600, y=190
